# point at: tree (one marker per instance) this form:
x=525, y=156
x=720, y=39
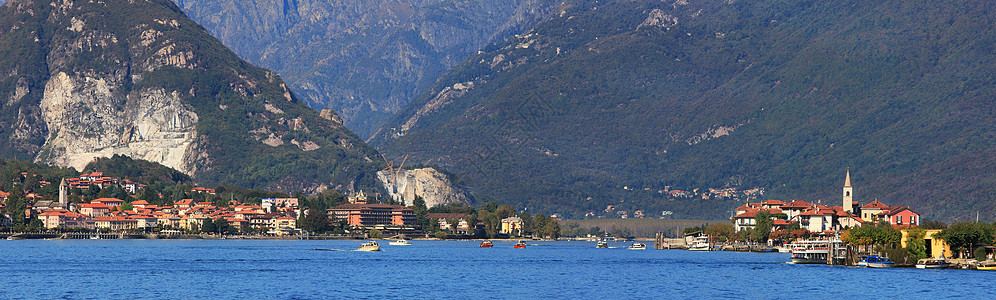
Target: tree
x=208, y=226
x=551, y=229
x=315, y=221
x=915, y=245
x=933, y=225
x=505, y=211
x=127, y=206
x=721, y=230
x=762, y=227
x=374, y=233
x=964, y=236
x=221, y=225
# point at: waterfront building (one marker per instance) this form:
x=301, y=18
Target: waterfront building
x=935, y=247
x=369, y=215
x=511, y=226
x=460, y=227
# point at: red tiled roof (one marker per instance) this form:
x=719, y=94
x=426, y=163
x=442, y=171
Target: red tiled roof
x=108, y=200
x=95, y=205
x=797, y=204
x=875, y=204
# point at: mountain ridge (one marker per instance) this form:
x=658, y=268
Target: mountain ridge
x=80, y=80
x=363, y=59
x=779, y=95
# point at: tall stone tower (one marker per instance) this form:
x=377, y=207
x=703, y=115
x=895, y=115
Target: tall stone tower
x=848, y=193
x=63, y=189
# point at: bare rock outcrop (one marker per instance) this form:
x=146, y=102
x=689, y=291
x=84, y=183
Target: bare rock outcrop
x=433, y=186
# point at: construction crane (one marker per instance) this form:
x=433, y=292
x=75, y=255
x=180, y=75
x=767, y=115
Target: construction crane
x=390, y=167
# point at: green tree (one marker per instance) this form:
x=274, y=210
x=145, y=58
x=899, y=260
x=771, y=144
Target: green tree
x=208, y=226
x=551, y=229
x=315, y=221
x=722, y=231
x=505, y=211
x=127, y=206
x=965, y=236
x=915, y=245
x=762, y=227
x=374, y=233
x=221, y=225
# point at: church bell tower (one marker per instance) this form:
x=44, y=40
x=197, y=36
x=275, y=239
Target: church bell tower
x=848, y=193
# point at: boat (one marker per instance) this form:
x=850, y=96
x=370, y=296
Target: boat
x=817, y=252
x=986, y=265
x=602, y=244
x=875, y=261
x=637, y=246
x=785, y=248
x=520, y=245
x=863, y=261
x=400, y=243
x=370, y=246
x=699, y=244
x=487, y=244
x=933, y=263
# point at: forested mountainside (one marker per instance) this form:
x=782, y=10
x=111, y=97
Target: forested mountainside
x=616, y=102
x=87, y=79
x=364, y=59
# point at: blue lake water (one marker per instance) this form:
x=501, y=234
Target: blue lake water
x=290, y=269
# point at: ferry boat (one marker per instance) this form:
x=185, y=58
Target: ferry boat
x=487, y=244
x=400, y=243
x=520, y=245
x=602, y=244
x=933, y=263
x=817, y=252
x=875, y=261
x=699, y=244
x=638, y=246
x=370, y=246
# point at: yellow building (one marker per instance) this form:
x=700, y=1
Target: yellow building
x=511, y=226
x=935, y=247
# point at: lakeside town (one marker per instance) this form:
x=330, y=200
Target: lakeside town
x=844, y=234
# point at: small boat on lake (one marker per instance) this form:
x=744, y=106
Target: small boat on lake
x=875, y=261
x=400, y=243
x=370, y=246
x=638, y=246
x=699, y=244
x=933, y=263
x=602, y=244
x=986, y=265
x=520, y=245
x=487, y=244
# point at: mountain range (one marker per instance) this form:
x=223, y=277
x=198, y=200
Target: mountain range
x=364, y=59
x=86, y=79
x=610, y=102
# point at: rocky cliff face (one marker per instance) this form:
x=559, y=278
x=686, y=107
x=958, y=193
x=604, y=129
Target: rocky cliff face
x=433, y=186
x=364, y=59
x=80, y=80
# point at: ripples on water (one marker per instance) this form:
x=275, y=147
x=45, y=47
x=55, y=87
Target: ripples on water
x=441, y=269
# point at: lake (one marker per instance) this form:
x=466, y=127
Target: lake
x=291, y=269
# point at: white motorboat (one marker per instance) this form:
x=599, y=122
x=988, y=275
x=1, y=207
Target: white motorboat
x=400, y=243
x=637, y=246
x=933, y=263
x=602, y=244
x=699, y=244
x=370, y=246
